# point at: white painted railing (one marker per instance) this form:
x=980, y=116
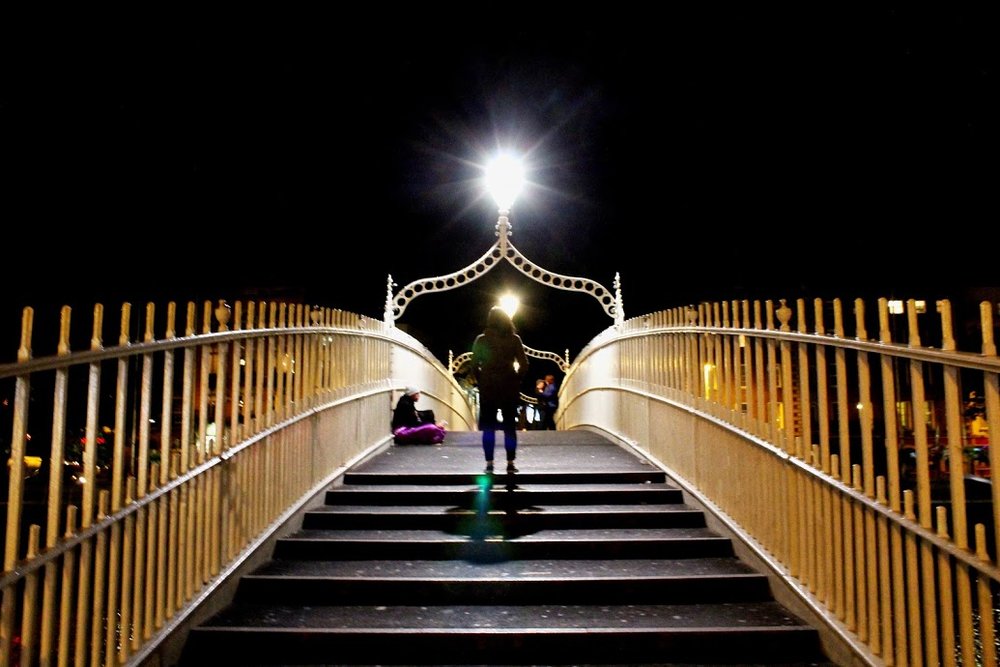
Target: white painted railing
x=140, y=475
x=856, y=466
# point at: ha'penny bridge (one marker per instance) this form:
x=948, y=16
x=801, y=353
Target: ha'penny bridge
x=751, y=482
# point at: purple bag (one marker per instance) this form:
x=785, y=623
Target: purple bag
x=424, y=434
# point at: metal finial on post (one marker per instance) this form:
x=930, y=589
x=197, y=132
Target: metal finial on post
x=222, y=313
x=619, y=308
x=784, y=315
x=390, y=321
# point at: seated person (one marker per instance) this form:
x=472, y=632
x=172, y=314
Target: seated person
x=411, y=426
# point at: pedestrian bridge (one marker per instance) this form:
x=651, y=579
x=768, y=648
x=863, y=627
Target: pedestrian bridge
x=844, y=444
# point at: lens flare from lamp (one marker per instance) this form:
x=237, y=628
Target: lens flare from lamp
x=504, y=179
x=509, y=303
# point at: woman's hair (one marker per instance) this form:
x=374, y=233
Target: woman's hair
x=498, y=322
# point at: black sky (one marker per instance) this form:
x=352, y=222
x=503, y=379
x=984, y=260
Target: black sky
x=702, y=154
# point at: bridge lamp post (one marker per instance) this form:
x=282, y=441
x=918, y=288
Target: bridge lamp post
x=504, y=179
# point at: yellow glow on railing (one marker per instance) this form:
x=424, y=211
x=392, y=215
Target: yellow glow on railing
x=898, y=306
x=31, y=463
x=708, y=376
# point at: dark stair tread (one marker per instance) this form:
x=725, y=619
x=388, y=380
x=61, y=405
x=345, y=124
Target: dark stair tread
x=531, y=570
x=513, y=519
x=585, y=535
x=584, y=644
x=525, y=476
x=745, y=616
x=672, y=508
x=539, y=493
x=497, y=587
x=741, y=663
x=591, y=487
x=463, y=451
x=494, y=541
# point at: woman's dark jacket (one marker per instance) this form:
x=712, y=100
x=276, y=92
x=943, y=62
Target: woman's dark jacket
x=493, y=358
x=405, y=413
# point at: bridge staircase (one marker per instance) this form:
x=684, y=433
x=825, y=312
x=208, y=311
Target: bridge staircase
x=587, y=555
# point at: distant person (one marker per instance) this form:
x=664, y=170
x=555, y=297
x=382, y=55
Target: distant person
x=538, y=408
x=499, y=365
x=415, y=427
x=549, y=402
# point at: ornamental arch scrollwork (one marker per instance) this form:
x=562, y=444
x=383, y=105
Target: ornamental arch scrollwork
x=503, y=250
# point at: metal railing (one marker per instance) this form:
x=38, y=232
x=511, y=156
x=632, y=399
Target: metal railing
x=856, y=468
x=140, y=475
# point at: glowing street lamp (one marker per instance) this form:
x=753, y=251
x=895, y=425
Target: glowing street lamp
x=504, y=180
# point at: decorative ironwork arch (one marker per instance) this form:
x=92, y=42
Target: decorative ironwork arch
x=456, y=363
x=503, y=250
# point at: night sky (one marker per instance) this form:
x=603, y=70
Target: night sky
x=702, y=154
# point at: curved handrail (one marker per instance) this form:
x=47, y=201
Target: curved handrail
x=841, y=460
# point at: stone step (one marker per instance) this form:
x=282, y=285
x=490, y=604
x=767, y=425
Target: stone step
x=727, y=633
x=525, y=476
x=527, y=519
x=610, y=543
x=523, y=495
x=520, y=582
